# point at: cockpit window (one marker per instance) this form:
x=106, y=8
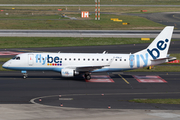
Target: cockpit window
x=16, y=58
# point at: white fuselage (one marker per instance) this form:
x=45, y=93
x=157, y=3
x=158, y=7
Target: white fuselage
x=58, y=61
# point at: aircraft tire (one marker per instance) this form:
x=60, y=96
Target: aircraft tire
x=87, y=76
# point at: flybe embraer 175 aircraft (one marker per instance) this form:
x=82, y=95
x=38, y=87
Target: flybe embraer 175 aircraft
x=71, y=64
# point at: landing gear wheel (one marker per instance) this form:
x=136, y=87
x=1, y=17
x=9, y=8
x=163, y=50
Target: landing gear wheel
x=25, y=76
x=87, y=76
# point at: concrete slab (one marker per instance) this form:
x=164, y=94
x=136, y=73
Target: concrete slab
x=40, y=112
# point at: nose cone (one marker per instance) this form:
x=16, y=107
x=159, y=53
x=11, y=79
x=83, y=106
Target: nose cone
x=5, y=65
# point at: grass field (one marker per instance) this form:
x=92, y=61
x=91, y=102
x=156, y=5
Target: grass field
x=49, y=10
x=141, y=2
x=53, y=22
x=50, y=18
x=30, y=42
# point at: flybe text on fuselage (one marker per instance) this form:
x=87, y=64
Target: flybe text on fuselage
x=51, y=61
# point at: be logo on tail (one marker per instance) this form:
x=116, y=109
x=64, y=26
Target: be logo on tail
x=161, y=45
x=157, y=50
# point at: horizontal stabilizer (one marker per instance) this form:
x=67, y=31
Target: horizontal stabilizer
x=160, y=59
x=168, y=58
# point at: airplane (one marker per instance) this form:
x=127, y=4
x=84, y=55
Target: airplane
x=71, y=64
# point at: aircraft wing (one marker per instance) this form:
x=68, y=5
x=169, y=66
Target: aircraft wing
x=87, y=68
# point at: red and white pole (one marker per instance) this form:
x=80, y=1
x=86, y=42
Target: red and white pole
x=95, y=9
x=98, y=9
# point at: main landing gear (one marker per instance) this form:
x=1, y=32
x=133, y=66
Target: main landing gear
x=87, y=76
x=25, y=75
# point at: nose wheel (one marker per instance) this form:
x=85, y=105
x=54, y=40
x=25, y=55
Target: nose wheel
x=25, y=75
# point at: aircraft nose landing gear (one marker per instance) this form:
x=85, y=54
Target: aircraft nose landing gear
x=25, y=75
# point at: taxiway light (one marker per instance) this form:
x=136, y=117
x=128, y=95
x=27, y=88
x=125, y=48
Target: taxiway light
x=109, y=107
x=40, y=100
x=61, y=105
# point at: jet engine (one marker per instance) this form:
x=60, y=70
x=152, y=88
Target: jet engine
x=68, y=72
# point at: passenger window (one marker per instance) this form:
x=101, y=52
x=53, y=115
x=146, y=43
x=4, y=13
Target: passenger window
x=74, y=59
x=79, y=59
x=102, y=59
x=106, y=59
x=124, y=59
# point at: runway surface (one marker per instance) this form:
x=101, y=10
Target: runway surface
x=77, y=93
x=85, y=33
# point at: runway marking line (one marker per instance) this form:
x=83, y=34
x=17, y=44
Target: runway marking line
x=100, y=78
x=149, y=79
x=123, y=79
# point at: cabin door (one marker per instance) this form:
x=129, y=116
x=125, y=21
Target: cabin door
x=30, y=59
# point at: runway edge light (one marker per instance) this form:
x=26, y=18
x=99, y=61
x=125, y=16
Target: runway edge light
x=61, y=105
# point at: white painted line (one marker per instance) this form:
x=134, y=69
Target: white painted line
x=113, y=34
